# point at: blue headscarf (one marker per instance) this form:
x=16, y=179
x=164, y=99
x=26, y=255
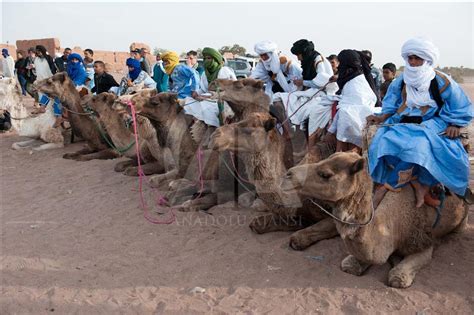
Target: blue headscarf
x=136, y=68
x=76, y=71
x=5, y=52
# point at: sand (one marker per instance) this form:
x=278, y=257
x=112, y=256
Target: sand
x=74, y=241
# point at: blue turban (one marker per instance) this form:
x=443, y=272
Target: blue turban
x=131, y=62
x=76, y=71
x=5, y=52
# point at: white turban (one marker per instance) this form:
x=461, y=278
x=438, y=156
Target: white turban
x=265, y=47
x=418, y=79
x=422, y=48
x=273, y=62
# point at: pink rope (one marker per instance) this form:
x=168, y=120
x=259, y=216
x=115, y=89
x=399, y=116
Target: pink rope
x=160, y=200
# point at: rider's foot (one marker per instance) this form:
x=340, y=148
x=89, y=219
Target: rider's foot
x=420, y=192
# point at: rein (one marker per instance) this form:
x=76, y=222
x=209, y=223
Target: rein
x=372, y=214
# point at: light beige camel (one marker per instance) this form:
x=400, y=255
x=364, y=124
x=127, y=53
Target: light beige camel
x=261, y=147
x=397, y=227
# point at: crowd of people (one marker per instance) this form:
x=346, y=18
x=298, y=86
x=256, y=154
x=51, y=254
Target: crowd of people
x=332, y=98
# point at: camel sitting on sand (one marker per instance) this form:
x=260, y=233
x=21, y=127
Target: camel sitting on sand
x=82, y=124
x=108, y=108
x=262, y=149
x=36, y=127
x=372, y=236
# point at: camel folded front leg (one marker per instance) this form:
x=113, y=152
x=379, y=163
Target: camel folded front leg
x=352, y=265
x=322, y=230
x=158, y=179
x=23, y=144
x=272, y=222
x=402, y=275
x=100, y=155
x=148, y=169
x=48, y=146
x=123, y=165
x=73, y=155
x=202, y=203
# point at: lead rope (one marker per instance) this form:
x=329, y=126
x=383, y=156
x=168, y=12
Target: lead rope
x=160, y=200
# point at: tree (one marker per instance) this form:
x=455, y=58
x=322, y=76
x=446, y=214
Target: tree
x=236, y=49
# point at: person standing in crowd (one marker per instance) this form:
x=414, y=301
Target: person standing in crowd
x=61, y=62
x=334, y=63
x=376, y=73
x=184, y=79
x=160, y=76
x=145, y=65
x=75, y=69
x=89, y=66
x=103, y=81
x=8, y=64
x=192, y=61
x=134, y=79
x=30, y=75
x=20, y=67
x=389, y=71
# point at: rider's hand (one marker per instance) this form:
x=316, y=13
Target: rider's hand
x=333, y=78
x=129, y=83
x=298, y=82
x=374, y=120
x=452, y=132
x=195, y=95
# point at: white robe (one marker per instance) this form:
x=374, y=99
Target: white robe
x=8, y=67
x=208, y=110
x=356, y=102
x=288, y=73
x=42, y=69
x=318, y=109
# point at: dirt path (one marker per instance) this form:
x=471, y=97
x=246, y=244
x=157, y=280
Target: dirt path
x=74, y=241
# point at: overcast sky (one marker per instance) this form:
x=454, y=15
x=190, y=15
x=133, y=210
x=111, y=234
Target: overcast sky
x=381, y=28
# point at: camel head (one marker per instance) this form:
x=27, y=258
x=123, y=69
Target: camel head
x=102, y=103
x=251, y=135
x=138, y=99
x=163, y=107
x=336, y=178
x=244, y=96
x=56, y=85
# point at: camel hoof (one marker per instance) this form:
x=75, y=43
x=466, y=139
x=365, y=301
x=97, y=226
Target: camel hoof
x=299, y=242
x=398, y=279
x=121, y=166
x=157, y=180
x=15, y=146
x=131, y=171
x=69, y=156
x=259, y=224
x=352, y=266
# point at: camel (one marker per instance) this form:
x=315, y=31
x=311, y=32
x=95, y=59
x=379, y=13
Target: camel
x=123, y=139
x=395, y=227
x=82, y=124
x=262, y=150
x=36, y=127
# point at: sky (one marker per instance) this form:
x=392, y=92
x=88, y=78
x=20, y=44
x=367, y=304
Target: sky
x=379, y=27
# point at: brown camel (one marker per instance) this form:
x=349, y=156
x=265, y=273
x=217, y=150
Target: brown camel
x=395, y=227
x=59, y=85
x=261, y=147
x=123, y=138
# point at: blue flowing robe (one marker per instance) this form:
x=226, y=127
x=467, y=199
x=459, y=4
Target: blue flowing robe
x=445, y=159
x=185, y=81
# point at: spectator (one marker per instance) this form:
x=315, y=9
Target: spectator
x=145, y=65
x=45, y=68
x=89, y=66
x=334, y=63
x=61, y=62
x=159, y=75
x=8, y=64
x=135, y=77
x=376, y=73
x=75, y=69
x=102, y=80
x=20, y=67
x=31, y=73
x=184, y=79
x=192, y=61
x=388, y=71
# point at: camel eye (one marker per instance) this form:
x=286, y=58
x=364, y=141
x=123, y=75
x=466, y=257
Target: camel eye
x=324, y=175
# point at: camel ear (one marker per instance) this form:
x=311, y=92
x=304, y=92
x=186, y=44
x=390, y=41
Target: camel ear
x=269, y=124
x=239, y=84
x=258, y=84
x=173, y=98
x=61, y=77
x=357, y=166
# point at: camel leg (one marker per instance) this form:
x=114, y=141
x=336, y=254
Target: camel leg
x=100, y=155
x=202, y=203
x=73, y=155
x=123, y=165
x=402, y=275
x=351, y=265
x=158, y=179
x=148, y=169
x=23, y=144
x=272, y=222
x=322, y=230
x=48, y=146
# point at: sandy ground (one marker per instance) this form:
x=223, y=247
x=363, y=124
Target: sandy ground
x=74, y=241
